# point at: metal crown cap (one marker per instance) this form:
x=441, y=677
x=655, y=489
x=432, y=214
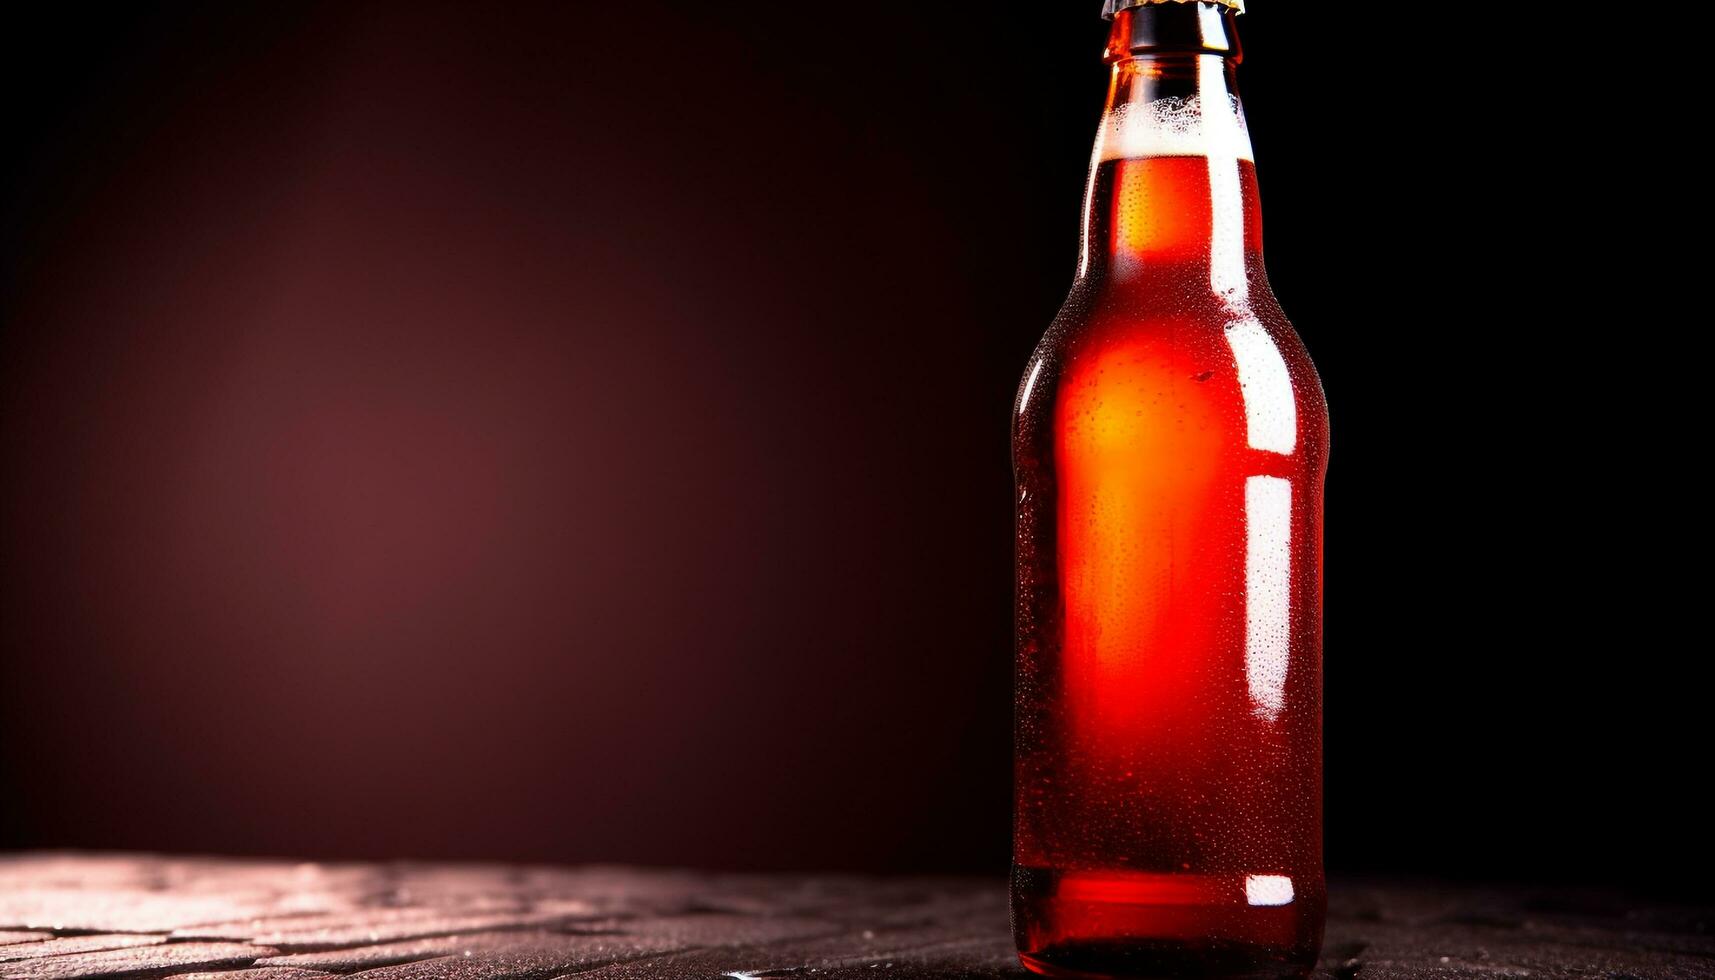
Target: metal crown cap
x=1111, y=7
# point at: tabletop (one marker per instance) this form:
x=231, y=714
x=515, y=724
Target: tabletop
x=138, y=917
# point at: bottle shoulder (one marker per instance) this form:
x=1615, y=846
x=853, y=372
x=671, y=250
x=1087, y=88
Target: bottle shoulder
x=1097, y=310
x=1097, y=316
x=1151, y=349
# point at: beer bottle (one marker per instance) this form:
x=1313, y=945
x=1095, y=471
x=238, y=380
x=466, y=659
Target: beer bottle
x=1170, y=440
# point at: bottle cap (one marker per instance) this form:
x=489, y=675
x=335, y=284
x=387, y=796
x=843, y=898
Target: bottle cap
x=1111, y=7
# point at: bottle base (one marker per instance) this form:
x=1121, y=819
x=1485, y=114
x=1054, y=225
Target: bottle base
x=1230, y=961
x=1140, y=924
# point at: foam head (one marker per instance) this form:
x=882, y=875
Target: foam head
x=1176, y=127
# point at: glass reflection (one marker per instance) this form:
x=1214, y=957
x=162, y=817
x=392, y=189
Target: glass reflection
x=1268, y=592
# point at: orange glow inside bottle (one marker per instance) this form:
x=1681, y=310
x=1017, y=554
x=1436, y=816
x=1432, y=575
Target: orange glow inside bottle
x=1170, y=441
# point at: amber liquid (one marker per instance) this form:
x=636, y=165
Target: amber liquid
x=1170, y=444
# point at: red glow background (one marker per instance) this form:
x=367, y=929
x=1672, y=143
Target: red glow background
x=435, y=455
x=577, y=432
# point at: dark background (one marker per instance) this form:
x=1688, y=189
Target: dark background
x=580, y=432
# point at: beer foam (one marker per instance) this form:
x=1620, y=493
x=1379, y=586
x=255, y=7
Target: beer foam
x=1175, y=127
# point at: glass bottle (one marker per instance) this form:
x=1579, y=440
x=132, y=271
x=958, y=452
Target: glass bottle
x=1170, y=441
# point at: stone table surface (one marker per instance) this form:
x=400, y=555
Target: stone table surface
x=66, y=916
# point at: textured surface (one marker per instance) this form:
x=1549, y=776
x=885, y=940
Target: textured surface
x=133, y=917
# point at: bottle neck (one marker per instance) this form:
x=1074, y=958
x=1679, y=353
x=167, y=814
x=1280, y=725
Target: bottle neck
x=1172, y=195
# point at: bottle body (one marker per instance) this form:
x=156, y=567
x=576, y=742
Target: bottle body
x=1170, y=443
